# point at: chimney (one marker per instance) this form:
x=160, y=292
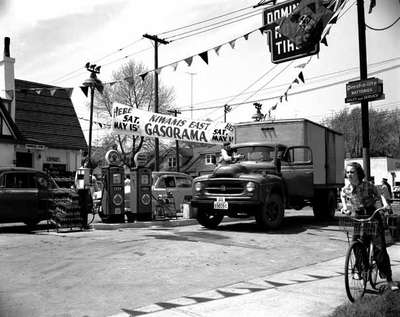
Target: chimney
x=7, y=80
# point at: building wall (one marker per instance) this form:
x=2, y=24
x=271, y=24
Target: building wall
x=7, y=156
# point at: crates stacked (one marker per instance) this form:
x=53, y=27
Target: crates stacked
x=65, y=209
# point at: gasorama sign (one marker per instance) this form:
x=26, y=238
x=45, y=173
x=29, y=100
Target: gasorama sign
x=128, y=120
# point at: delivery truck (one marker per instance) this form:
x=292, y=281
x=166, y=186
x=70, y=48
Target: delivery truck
x=280, y=164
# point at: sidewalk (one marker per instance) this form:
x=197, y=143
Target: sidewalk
x=314, y=290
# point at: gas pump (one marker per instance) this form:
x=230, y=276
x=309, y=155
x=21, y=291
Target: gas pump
x=113, y=189
x=141, y=181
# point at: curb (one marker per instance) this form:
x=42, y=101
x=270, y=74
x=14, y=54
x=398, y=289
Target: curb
x=145, y=224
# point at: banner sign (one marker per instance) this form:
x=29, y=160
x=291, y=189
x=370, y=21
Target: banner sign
x=129, y=120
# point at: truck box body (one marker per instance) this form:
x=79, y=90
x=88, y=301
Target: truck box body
x=326, y=144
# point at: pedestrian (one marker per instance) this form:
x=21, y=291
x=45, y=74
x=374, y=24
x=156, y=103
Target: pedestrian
x=388, y=190
x=361, y=197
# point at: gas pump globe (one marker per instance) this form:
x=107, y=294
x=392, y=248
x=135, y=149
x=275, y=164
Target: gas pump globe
x=113, y=207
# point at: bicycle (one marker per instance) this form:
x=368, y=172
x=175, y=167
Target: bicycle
x=360, y=266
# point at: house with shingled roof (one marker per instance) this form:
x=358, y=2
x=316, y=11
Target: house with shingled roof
x=39, y=127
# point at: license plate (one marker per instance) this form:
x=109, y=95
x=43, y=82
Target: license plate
x=220, y=203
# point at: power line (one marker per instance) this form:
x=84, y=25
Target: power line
x=384, y=28
x=204, y=21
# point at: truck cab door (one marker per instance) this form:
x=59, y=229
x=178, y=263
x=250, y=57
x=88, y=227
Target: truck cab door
x=297, y=171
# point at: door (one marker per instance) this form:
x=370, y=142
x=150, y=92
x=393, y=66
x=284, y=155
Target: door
x=297, y=171
x=20, y=195
x=24, y=159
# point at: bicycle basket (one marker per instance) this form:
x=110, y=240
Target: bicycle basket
x=352, y=226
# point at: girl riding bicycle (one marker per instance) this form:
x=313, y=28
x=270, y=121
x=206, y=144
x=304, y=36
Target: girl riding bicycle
x=360, y=196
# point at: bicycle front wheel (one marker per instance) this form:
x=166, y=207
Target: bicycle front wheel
x=355, y=271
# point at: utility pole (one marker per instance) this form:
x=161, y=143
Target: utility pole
x=191, y=94
x=363, y=76
x=226, y=110
x=156, y=42
x=176, y=112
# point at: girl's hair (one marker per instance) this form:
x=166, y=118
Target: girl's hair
x=359, y=170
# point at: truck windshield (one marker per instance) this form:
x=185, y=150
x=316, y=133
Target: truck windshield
x=256, y=153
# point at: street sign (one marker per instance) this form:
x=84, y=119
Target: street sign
x=364, y=90
x=281, y=48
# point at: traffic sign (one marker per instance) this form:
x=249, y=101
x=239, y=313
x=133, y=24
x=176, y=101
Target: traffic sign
x=282, y=49
x=364, y=90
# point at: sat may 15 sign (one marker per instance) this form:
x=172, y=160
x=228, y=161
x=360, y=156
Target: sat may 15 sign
x=129, y=120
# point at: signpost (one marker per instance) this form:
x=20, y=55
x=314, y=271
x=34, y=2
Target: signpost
x=364, y=90
x=281, y=48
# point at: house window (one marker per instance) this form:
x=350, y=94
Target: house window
x=172, y=161
x=210, y=159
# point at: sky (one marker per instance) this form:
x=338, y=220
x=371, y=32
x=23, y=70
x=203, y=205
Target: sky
x=51, y=42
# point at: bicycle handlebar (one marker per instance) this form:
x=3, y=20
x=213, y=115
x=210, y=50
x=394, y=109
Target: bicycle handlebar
x=371, y=217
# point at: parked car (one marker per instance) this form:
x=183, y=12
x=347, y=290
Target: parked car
x=25, y=195
x=163, y=183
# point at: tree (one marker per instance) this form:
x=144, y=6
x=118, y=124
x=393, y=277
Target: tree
x=130, y=89
x=384, y=131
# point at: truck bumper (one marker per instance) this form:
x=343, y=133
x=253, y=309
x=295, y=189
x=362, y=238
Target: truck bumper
x=234, y=206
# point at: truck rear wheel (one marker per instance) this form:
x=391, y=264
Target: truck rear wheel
x=270, y=215
x=209, y=218
x=324, y=205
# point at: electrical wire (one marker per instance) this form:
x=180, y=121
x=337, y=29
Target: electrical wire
x=204, y=21
x=383, y=29
x=216, y=27
x=244, y=16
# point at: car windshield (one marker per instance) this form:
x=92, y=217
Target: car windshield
x=255, y=153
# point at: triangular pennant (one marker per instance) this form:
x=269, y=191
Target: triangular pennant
x=274, y=106
x=204, y=57
x=85, y=90
x=68, y=91
x=301, y=76
x=158, y=70
x=333, y=20
x=100, y=88
x=232, y=43
x=216, y=49
x=100, y=125
x=280, y=99
x=174, y=66
x=301, y=65
x=143, y=76
x=285, y=95
x=290, y=87
x=112, y=83
x=189, y=60
x=246, y=36
x=324, y=41
x=372, y=4
x=295, y=81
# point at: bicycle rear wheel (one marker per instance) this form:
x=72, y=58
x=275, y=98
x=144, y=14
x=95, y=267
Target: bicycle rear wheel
x=355, y=271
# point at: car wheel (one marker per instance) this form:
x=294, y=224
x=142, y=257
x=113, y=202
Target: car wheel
x=270, y=215
x=209, y=218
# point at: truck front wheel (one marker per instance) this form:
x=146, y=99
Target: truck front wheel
x=209, y=218
x=270, y=215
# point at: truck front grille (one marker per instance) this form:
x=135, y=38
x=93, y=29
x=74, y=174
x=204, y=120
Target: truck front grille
x=225, y=187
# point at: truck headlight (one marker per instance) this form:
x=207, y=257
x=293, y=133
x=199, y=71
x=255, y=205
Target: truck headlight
x=198, y=186
x=250, y=187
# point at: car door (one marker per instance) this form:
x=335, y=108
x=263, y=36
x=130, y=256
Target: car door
x=183, y=189
x=21, y=195
x=297, y=171
x=6, y=204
